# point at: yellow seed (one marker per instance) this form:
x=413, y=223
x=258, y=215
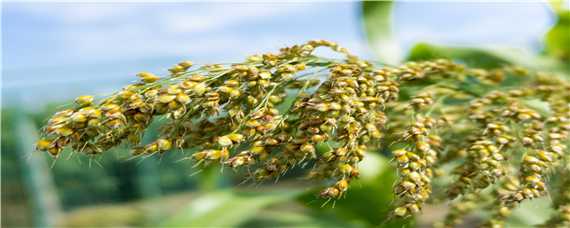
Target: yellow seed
x=271, y=142
x=535, y=168
x=183, y=98
x=78, y=118
x=151, y=148
x=251, y=100
x=166, y=98
x=523, y=116
x=116, y=123
x=176, y=69
x=187, y=84
x=342, y=185
x=544, y=156
x=257, y=149
x=200, y=155
x=236, y=161
x=308, y=148
x=225, y=141
x=93, y=123
x=186, y=64
x=218, y=154
x=415, y=176
x=173, y=105
x=252, y=123
x=335, y=106
x=199, y=89
x=148, y=77
x=57, y=120
x=63, y=131
x=164, y=144
x=173, y=90
x=196, y=78
x=225, y=89
x=322, y=107
x=414, y=208
x=402, y=159
x=110, y=108
x=330, y=192
x=43, y=144
x=235, y=137
x=317, y=138
x=422, y=146
x=151, y=93
x=408, y=185
x=376, y=134
x=140, y=117
x=345, y=168
x=275, y=99
x=531, y=159
x=126, y=94
x=504, y=211
x=54, y=151
x=401, y=211
x=234, y=93
x=93, y=113
x=265, y=75
x=533, y=179
x=399, y=152
x=255, y=58
x=231, y=83
x=84, y=100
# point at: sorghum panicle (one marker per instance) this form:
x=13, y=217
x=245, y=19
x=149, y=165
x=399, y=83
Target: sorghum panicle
x=277, y=111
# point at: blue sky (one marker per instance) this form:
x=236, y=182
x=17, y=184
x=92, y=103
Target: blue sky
x=61, y=50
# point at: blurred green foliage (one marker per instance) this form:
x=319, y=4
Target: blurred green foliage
x=228, y=208
x=558, y=37
x=377, y=18
x=81, y=180
x=368, y=203
x=15, y=206
x=470, y=56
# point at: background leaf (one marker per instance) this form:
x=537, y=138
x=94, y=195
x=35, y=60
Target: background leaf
x=377, y=19
x=488, y=59
x=470, y=56
x=369, y=200
x=558, y=37
x=227, y=208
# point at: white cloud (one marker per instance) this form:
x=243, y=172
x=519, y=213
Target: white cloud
x=77, y=13
x=219, y=16
x=117, y=31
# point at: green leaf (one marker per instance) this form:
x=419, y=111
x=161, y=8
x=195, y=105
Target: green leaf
x=377, y=20
x=368, y=200
x=297, y=218
x=471, y=56
x=227, y=208
x=530, y=213
x=488, y=59
x=373, y=165
x=558, y=37
x=540, y=106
